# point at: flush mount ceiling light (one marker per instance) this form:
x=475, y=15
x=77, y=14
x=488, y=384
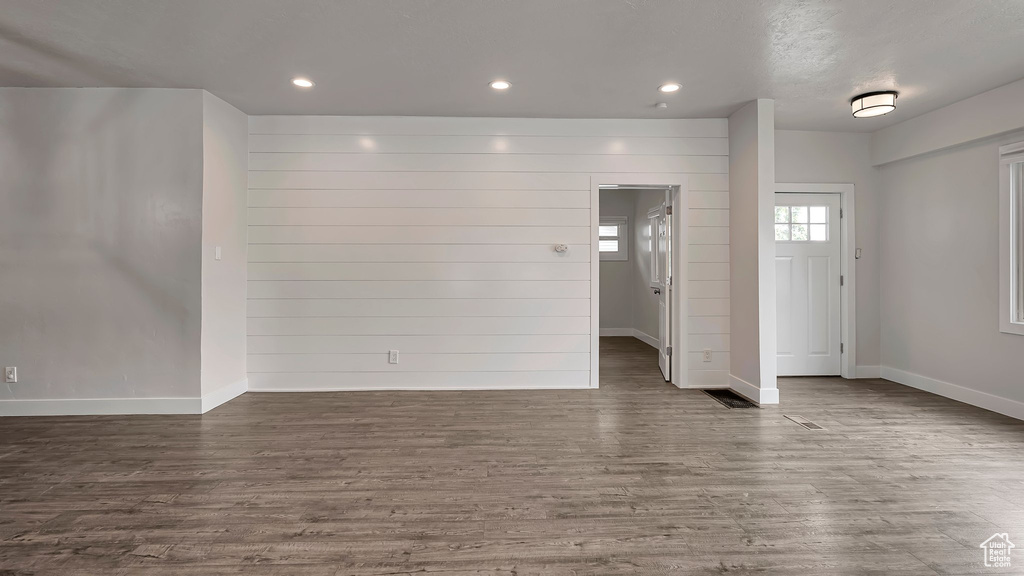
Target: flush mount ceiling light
x=500, y=85
x=670, y=87
x=303, y=82
x=873, y=104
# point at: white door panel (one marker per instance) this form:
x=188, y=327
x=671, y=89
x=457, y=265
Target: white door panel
x=661, y=280
x=807, y=266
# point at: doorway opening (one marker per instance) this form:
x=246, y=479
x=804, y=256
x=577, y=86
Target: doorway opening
x=635, y=277
x=814, y=277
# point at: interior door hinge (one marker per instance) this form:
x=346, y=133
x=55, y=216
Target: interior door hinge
x=840, y=212
x=668, y=210
x=668, y=350
x=842, y=348
x=842, y=280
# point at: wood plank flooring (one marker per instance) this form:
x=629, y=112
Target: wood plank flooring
x=635, y=478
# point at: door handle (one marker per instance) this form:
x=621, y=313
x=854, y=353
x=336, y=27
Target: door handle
x=657, y=290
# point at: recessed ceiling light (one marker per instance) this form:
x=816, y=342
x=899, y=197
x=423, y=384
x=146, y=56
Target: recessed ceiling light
x=873, y=104
x=500, y=85
x=303, y=82
x=670, y=87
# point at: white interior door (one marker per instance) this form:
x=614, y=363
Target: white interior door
x=807, y=276
x=661, y=280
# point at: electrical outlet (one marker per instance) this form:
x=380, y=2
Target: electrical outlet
x=707, y=355
x=393, y=357
x=11, y=374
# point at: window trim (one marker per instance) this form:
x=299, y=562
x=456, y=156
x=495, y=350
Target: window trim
x=622, y=222
x=1011, y=240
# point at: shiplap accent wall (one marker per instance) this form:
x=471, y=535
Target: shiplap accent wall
x=434, y=237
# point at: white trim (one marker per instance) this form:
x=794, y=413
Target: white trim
x=225, y=394
x=1005, y=406
x=632, y=332
x=476, y=387
x=847, y=264
x=759, y=396
x=869, y=372
x=646, y=339
x=100, y=406
x=1008, y=258
x=680, y=241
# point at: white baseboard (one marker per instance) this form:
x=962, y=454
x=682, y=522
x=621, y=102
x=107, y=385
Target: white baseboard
x=229, y=392
x=100, y=406
x=122, y=406
x=641, y=336
x=757, y=395
x=646, y=339
x=868, y=372
x=1005, y=406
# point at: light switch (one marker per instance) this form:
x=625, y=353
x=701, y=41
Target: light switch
x=216, y=252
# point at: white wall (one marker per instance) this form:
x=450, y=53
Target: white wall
x=225, y=173
x=835, y=157
x=100, y=222
x=617, y=275
x=940, y=278
x=752, y=251
x=434, y=236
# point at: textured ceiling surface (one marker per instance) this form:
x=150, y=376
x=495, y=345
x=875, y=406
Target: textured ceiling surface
x=565, y=58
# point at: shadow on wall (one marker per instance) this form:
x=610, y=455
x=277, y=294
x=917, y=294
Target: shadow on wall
x=101, y=238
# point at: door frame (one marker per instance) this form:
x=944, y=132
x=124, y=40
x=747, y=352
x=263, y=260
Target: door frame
x=847, y=265
x=680, y=288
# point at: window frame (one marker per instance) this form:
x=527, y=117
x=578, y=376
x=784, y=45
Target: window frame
x=622, y=223
x=1011, y=238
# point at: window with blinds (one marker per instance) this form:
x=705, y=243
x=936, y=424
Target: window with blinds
x=1011, y=238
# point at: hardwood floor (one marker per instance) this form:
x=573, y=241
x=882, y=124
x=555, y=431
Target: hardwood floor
x=634, y=478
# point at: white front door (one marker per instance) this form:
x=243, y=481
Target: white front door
x=807, y=276
x=661, y=280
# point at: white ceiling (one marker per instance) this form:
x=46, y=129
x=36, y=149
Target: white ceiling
x=565, y=58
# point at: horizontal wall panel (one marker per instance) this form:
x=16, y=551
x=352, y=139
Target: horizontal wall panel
x=416, y=253
x=311, y=307
x=450, y=344
x=702, y=199
x=418, y=180
x=708, y=235
x=708, y=324
x=708, y=289
x=418, y=289
x=326, y=381
x=719, y=361
x=708, y=306
x=361, y=235
x=436, y=236
x=709, y=217
x=417, y=326
x=499, y=144
x=439, y=126
x=419, y=216
x=708, y=182
x=421, y=198
x=708, y=271
x=701, y=253
x=710, y=378
x=378, y=362
x=422, y=271
x=538, y=163
x=713, y=342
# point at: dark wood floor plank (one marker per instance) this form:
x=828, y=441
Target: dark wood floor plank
x=637, y=477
